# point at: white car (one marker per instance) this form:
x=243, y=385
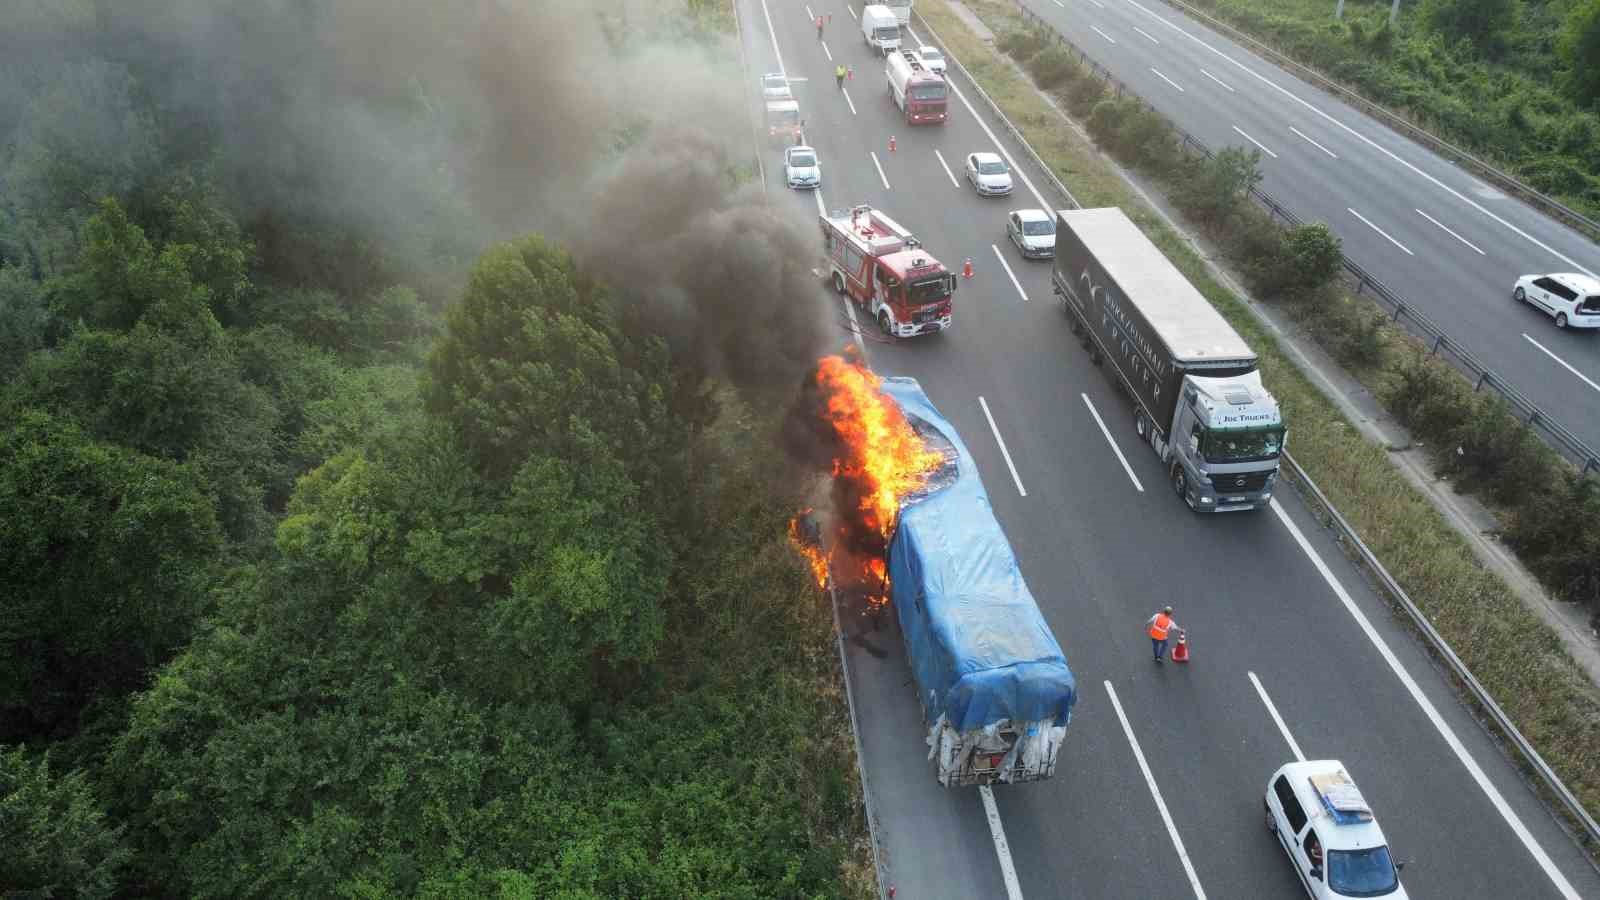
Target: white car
x=1327, y=829
x=801, y=168
x=989, y=174
x=1572, y=300
x=932, y=59
x=1033, y=231
x=775, y=86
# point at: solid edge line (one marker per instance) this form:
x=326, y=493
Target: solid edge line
x=1008, y=869
x=1370, y=142
x=774, y=35
x=855, y=734
x=1012, y=275
x=1155, y=791
x=1563, y=362
x=1273, y=711
x=990, y=132
x=1439, y=724
x=1002, y=442
x=1114, y=448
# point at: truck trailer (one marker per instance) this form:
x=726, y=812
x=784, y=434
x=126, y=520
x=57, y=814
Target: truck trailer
x=883, y=269
x=1198, y=397
x=920, y=94
x=995, y=688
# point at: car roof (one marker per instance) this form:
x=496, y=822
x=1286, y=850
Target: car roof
x=781, y=105
x=1583, y=284
x=925, y=48
x=1355, y=836
x=1032, y=215
x=986, y=157
x=800, y=148
x=778, y=75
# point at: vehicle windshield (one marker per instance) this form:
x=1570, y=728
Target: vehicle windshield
x=1362, y=873
x=802, y=160
x=1243, y=444
x=887, y=33
x=894, y=3
x=928, y=92
x=931, y=54
x=991, y=168
x=928, y=291
x=1038, y=227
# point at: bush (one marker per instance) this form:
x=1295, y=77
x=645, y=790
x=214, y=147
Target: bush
x=1352, y=332
x=1105, y=121
x=1313, y=256
x=1053, y=67
x=1022, y=43
x=1084, y=94
x=1212, y=188
x=1553, y=531
x=1429, y=398
x=1147, y=139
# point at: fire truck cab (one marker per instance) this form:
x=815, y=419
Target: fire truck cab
x=885, y=271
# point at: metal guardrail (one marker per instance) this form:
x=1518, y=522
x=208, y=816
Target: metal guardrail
x=1387, y=582
x=1441, y=647
x=1549, y=205
x=1552, y=431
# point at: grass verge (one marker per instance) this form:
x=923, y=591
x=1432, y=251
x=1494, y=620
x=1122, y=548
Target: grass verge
x=1517, y=657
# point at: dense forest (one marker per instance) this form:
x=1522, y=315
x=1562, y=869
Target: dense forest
x=387, y=501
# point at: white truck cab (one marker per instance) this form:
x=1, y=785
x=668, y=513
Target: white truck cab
x=880, y=28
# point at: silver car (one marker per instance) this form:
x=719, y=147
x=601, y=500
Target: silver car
x=932, y=59
x=1033, y=231
x=989, y=174
x=801, y=169
x=775, y=86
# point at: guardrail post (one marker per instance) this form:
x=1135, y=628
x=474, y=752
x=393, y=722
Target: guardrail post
x=1481, y=379
x=1436, y=342
x=1533, y=418
x=1591, y=463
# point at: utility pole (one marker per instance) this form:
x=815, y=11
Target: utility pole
x=1393, y=11
x=1338, y=12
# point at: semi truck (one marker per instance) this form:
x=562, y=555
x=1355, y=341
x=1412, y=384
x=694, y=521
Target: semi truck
x=880, y=28
x=1198, y=397
x=883, y=269
x=920, y=94
x=996, y=690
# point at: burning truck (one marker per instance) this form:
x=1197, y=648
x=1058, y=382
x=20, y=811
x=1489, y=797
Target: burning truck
x=916, y=531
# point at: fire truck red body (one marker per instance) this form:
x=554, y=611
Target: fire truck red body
x=884, y=270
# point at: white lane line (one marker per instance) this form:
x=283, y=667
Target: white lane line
x=1561, y=361
x=1369, y=142
x=1008, y=870
x=1313, y=143
x=1148, y=35
x=847, y=100
x=1017, y=170
x=851, y=10
x=821, y=209
x=947, y=168
x=1449, y=232
x=1167, y=80
x=1002, y=442
x=1098, y=3
x=1103, y=34
x=1273, y=711
x=1013, y=276
x=1380, y=231
x=774, y=35
x=1218, y=81
x=855, y=326
x=810, y=16
x=827, y=51
x=1114, y=448
x=1155, y=791
x=881, y=176
x=1410, y=684
x=1060, y=4
x=1252, y=140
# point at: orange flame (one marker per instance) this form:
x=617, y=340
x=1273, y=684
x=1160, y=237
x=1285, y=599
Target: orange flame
x=813, y=554
x=882, y=451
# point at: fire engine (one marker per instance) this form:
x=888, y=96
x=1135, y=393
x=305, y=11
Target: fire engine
x=921, y=94
x=885, y=271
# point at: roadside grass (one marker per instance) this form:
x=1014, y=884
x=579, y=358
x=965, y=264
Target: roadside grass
x=1515, y=655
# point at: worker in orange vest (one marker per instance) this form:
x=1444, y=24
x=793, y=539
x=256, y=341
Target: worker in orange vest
x=1158, y=626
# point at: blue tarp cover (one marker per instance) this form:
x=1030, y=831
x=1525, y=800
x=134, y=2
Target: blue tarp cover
x=979, y=647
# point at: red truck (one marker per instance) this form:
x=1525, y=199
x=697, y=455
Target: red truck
x=920, y=93
x=884, y=270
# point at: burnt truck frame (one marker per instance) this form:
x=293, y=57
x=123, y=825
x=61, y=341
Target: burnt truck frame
x=1197, y=391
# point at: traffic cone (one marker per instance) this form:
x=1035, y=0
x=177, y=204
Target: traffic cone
x=966, y=268
x=1180, y=653
x=849, y=73
x=891, y=143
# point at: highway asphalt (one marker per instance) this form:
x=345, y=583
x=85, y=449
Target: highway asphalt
x=1444, y=240
x=1267, y=597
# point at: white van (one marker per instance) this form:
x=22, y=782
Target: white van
x=880, y=28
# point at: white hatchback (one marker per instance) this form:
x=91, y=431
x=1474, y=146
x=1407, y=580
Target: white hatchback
x=775, y=86
x=1572, y=300
x=801, y=168
x=1326, y=827
x=989, y=174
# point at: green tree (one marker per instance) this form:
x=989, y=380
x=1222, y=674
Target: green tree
x=24, y=319
x=1485, y=24
x=1214, y=187
x=1313, y=255
x=104, y=556
x=57, y=840
x=1579, y=46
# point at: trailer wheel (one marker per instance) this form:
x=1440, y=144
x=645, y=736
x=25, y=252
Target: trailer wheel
x=838, y=283
x=1141, y=425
